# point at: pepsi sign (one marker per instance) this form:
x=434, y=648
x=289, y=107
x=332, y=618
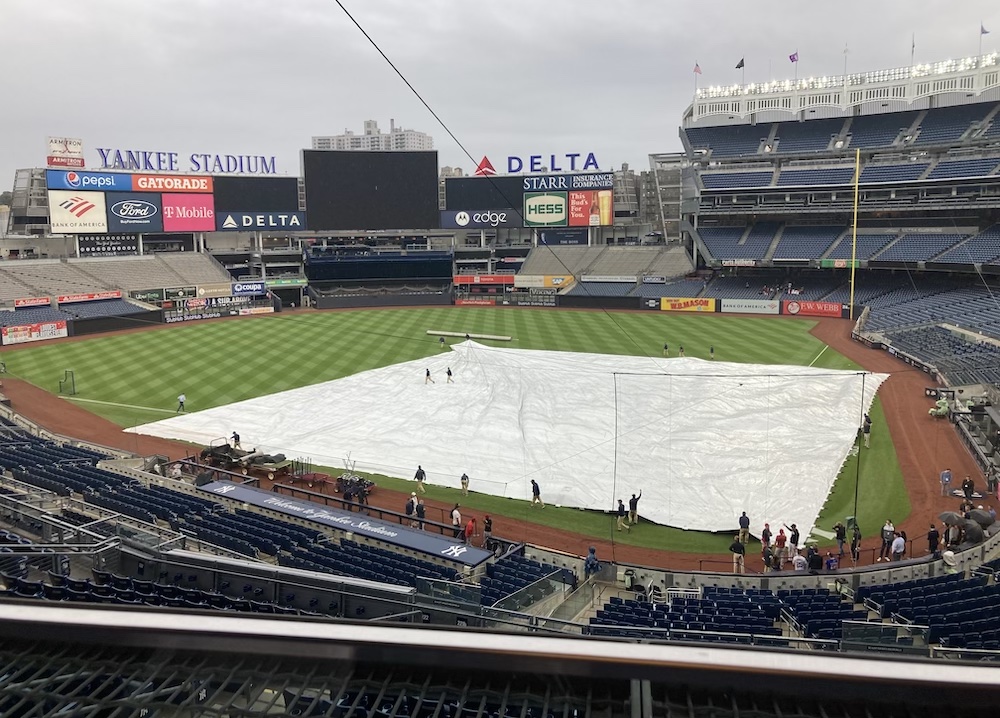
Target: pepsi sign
x=136, y=213
x=486, y=219
x=249, y=289
x=96, y=181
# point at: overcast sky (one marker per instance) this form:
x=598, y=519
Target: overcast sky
x=507, y=76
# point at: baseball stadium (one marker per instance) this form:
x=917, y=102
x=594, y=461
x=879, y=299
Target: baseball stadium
x=265, y=452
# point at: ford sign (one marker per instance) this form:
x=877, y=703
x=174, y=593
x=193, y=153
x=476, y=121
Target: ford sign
x=132, y=209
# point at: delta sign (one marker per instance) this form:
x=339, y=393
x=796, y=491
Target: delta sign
x=551, y=163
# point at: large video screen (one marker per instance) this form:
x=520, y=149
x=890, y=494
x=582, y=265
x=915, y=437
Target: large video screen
x=469, y=194
x=371, y=190
x=256, y=194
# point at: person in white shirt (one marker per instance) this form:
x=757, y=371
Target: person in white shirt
x=180, y=403
x=898, y=547
x=456, y=521
x=799, y=562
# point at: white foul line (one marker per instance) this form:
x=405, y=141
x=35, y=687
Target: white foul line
x=114, y=403
x=819, y=355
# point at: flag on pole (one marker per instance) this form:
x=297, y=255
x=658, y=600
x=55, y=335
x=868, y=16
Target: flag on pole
x=697, y=69
x=983, y=30
x=740, y=65
x=794, y=57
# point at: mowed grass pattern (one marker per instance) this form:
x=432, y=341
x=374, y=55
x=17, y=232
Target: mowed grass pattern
x=220, y=362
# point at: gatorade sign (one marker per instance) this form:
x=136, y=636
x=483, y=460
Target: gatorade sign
x=545, y=209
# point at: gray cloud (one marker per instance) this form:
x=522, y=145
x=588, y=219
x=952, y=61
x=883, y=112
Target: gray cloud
x=507, y=76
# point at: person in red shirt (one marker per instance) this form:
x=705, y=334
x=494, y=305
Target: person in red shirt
x=470, y=530
x=779, y=545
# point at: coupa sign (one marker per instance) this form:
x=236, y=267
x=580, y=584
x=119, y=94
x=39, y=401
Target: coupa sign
x=248, y=289
x=545, y=209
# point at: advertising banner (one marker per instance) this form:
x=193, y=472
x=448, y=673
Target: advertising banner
x=531, y=300
x=543, y=290
x=32, y=302
x=252, y=221
x=88, y=297
x=171, y=183
x=24, y=333
x=188, y=213
x=608, y=278
x=502, y=279
x=287, y=282
x=750, y=306
x=476, y=302
x=172, y=318
x=545, y=209
x=529, y=280
x=654, y=280
x=215, y=290
x=573, y=237
x=249, y=289
x=108, y=245
x=486, y=219
x=180, y=293
x=134, y=213
x=247, y=311
x=149, y=296
x=591, y=208
x=558, y=280
x=568, y=182
x=645, y=303
x=77, y=212
x=812, y=309
x=838, y=263
x=739, y=262
x=91, y=181
x=687, y=304
x=64, y=152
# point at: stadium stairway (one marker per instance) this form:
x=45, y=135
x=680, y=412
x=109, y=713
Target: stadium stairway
x=164, y=266
x=769, y=254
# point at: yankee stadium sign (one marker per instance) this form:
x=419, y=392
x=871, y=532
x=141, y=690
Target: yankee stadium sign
x=205, y=162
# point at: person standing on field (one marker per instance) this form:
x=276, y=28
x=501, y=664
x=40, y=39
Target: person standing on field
x=465, y=484
x=450, y=380
x=633, y=508
x=427, y=377
x=536, y=494
x=180, y=403
x=621, y=513
x=866, y=429
x=739, y=551
x=420, y=477
x=744, y=529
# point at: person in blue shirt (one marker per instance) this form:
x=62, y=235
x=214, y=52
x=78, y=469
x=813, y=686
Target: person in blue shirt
x=591, y=565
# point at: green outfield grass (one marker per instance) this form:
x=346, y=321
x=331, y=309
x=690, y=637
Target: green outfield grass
x=135, y=378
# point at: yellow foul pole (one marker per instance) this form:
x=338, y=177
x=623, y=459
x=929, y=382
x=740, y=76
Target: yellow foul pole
x=854, y=237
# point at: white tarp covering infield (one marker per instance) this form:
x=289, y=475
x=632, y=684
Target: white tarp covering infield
x=703, y=440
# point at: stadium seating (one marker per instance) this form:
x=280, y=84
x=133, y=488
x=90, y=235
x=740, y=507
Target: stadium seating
x=824, y=176
x=946, y=125
x=879, y=130
x=812, y=136
x=194, y=268
x=725, y=242
x=818, y=612
x=982, y=248
x=547, y=260
x=918, y=247
x=32, y=315
x=731, y=141
x=805, y=242
x=960, y=359
x=514, y=573
x=736, y=180
x=964, y=168
x=868, y=246
x=363, y=561
x=623, y=261
x=893, y=173
x=683, y=288
x=601, y=289
x=105, y=308
x=736, y=288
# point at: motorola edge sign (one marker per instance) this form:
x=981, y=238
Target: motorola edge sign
x=486, y=219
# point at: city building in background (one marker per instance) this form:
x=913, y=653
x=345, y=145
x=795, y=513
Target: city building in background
x=446, y=172
x=373, y=139
x=29, y=210
x=4, y=219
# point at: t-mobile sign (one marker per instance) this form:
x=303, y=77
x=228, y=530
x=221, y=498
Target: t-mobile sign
x=188, y=213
